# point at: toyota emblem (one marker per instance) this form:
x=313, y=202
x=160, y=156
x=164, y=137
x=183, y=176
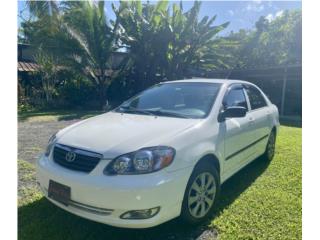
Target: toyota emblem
x=70, y=156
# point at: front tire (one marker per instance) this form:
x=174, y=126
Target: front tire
x=201, y=193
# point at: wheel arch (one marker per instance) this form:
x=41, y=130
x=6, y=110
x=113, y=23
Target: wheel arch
x=211, y=159
x=274, y=129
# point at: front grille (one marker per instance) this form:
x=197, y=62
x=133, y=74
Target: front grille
x=84, y=161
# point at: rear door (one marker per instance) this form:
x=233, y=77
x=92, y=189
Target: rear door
x=238, y=131
x=260, y=118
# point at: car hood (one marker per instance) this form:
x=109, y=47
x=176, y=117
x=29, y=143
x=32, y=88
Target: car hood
x=112, y=134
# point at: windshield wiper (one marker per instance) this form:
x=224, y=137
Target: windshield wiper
x=152, y=112
x=135, y=110
x=170, y=114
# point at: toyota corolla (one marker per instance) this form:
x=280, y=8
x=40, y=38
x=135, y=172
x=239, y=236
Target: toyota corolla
x=162, y=154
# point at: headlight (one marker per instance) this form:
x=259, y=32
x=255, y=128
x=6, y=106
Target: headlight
x=145, y=160
x=50, y=145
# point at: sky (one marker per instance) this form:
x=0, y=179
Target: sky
x=240, y=14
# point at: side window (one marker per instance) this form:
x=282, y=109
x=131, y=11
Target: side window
x=255, y=97
x=235, y=98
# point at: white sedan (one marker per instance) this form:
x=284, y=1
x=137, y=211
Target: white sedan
x=162, y=154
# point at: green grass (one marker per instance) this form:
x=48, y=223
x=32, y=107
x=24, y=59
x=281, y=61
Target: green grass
x=270, y=207
x=262, y=201
x=28, y=191
x=60, y=115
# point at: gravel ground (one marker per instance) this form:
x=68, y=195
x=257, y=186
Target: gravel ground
x=33, y=137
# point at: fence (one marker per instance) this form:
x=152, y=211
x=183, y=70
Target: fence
x=283, y=85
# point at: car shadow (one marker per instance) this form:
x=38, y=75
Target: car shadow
x=42, y=220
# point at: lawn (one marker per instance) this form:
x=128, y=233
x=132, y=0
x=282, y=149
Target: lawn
x=262, y=201
x=59, y=115
x=269, y=203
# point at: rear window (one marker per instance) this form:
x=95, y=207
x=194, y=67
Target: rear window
x=255, y=97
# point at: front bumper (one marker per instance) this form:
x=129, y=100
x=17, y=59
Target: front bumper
x=105, y=198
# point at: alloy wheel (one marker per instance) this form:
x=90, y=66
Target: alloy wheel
x=201, y=195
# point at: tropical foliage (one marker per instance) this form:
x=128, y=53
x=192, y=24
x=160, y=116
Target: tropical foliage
x=160, y=41
x=48, y=71
x=165, y=42
x=271, y=43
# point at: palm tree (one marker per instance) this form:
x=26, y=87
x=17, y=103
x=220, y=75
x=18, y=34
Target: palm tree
x=90, y=41
x=41, y=30
x=43, y=9
x=79, y=35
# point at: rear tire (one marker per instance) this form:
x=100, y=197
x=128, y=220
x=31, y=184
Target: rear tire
x=201, y=193
x=271, y=147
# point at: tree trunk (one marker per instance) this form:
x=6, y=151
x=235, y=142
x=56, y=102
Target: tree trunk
x=102, y=91
x=47, y=90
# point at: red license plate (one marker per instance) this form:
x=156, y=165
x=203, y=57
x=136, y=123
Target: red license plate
x=59, y=192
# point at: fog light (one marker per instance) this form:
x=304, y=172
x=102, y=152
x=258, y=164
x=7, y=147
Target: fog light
x=140, y=214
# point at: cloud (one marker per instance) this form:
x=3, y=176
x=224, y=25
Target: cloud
x=270, y=17
x=231, y=12
x=279, y=13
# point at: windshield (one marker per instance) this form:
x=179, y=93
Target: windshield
x=185, y=100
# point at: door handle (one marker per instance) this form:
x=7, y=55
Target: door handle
x=251, y=120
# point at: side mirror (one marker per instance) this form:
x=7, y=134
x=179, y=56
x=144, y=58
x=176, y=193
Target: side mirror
x=232, y=112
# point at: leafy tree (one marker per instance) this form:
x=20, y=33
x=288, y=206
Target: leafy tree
x=272, y=43
x=43, y=9
x=80, y=36
x=193, y=43
x=165, y=42
x=91, y=40
x=145, y=38
x=160, y=41
x=48, y=71
x=40, y=31
x=43, y=26
x=282, y=41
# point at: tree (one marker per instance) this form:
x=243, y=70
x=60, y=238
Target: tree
x=165, y=42
x=272, y=43
x=48, y=71
x=144, y=37
x=79, y=35
x=42, y=28
x=91, y=41
x=193, y=43
x=43, y=9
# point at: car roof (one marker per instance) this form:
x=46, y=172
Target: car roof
x=209, y=80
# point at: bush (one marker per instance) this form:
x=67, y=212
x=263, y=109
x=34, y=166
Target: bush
x=77, y=93
x=25, y=107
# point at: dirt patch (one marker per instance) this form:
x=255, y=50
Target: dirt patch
x=33, y=137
